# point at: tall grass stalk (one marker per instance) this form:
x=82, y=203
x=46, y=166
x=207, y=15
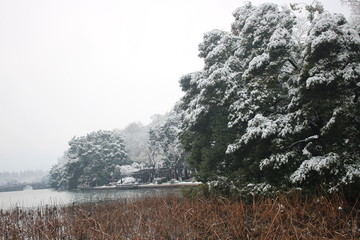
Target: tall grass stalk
x=284, y=217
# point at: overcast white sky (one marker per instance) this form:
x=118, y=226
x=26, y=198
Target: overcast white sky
x=69, y=67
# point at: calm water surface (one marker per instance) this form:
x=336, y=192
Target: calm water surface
x=43, y=197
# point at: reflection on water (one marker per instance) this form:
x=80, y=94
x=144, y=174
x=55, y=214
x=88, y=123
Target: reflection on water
x=38, y=198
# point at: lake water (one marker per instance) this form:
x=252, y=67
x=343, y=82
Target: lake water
x=43, y=197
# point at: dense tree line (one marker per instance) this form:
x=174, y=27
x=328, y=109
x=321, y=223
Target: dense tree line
x=101, y=157
x=275, y=106
x=268, y=111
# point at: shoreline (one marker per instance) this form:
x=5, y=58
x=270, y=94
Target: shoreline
x=143, y=186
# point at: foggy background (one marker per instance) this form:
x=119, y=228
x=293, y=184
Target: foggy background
x=74, y=66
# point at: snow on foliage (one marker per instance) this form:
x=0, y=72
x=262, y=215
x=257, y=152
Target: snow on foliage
x=259, y=126
x=319, y=79
x=277, y=160
x=165, y=142
x=274, y=103
x=318, y=164
x=90, y=159
x=278, y=39
x=352, y=172
x=135, y=139
x=351, y=73
x=257, y=63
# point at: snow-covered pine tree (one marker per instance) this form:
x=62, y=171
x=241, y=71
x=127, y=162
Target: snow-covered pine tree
x=259, y=113
x=206, y=134
x=267, y=53
x=319, y=145
x=329, y=89
x=244, y=80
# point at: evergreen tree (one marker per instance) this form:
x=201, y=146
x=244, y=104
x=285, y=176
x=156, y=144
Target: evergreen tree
x=272, y=108
x=329, y=88
x=241, y=81
x=321, y=138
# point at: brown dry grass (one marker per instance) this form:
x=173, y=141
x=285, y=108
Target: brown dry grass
x=290, y=217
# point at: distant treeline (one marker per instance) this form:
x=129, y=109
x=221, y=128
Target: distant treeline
x=28, y=176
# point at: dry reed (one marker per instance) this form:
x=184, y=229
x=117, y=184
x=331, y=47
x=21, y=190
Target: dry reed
x=284, y=217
